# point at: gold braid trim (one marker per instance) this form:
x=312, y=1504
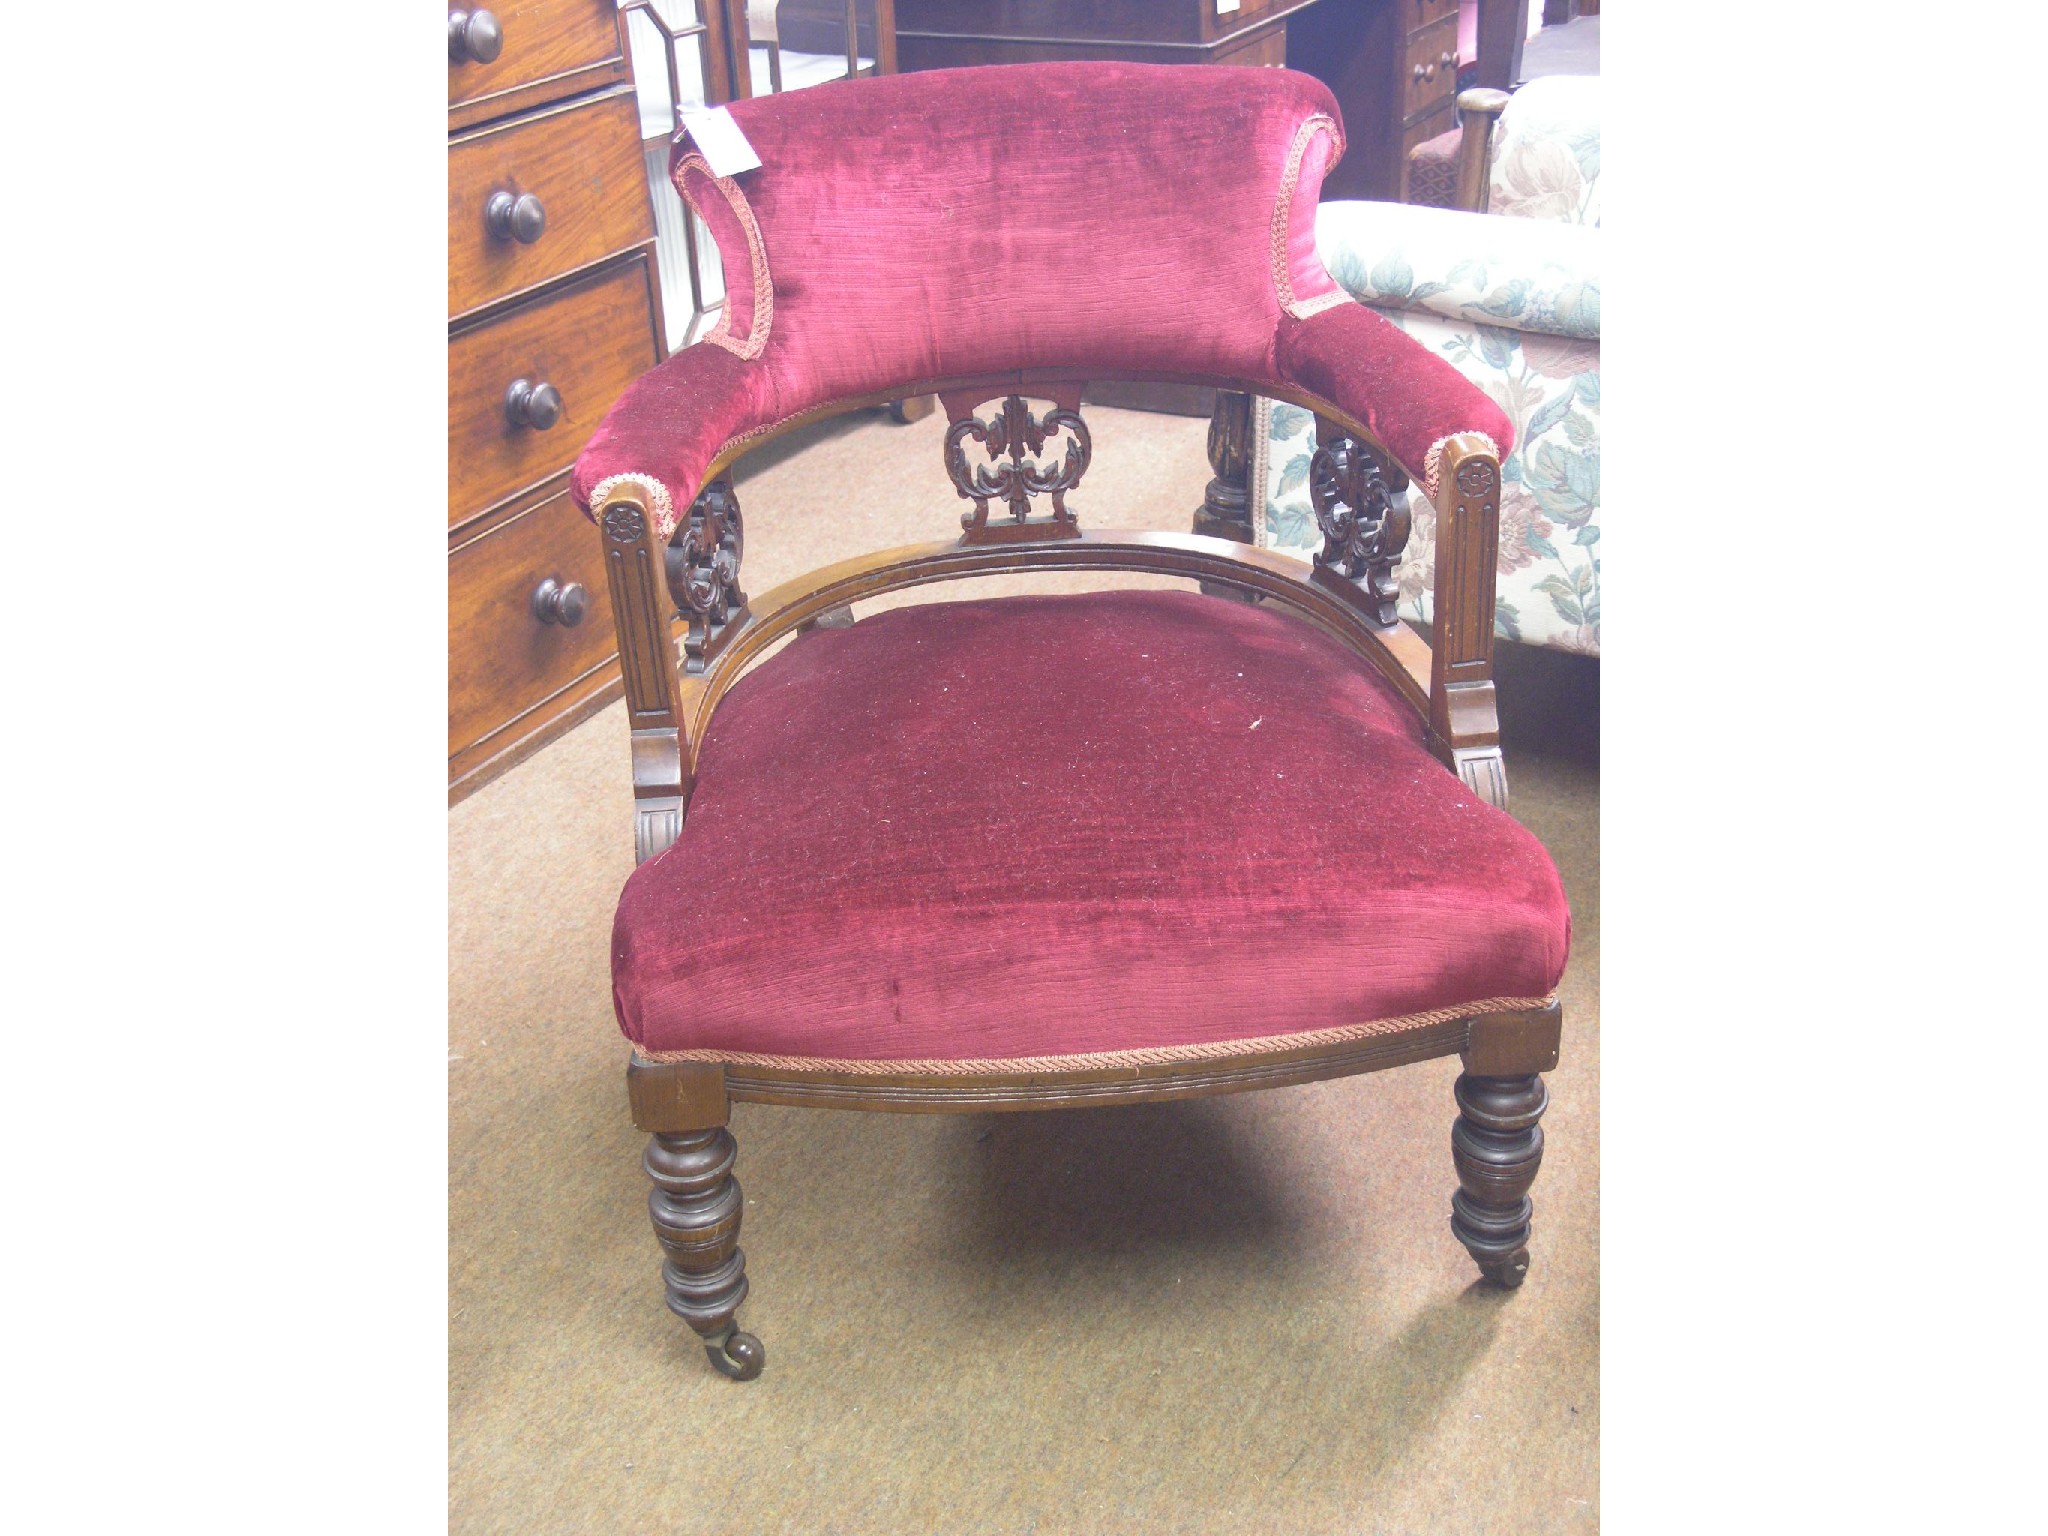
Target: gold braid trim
x=1283, y=218
x=1157, y=1056
x=720, y=335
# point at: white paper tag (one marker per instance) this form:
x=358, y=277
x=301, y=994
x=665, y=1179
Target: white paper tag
x=1225, y=7
x=719, y=140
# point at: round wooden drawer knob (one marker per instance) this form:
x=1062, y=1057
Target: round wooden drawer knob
x=528, y=404
x=554, y=603
x=518, y=218
x=474, y=35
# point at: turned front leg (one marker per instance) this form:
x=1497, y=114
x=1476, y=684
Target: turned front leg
x=696, y=1206
x=1498, y=1146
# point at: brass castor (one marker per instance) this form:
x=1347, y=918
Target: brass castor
x=736, y=1353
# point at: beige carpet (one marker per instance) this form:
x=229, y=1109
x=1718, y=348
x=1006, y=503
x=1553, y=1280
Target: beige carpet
x=1239, y=1314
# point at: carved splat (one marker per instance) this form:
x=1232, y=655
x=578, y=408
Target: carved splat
x=704, y=572
x=1364, y=521
x=1015, y=432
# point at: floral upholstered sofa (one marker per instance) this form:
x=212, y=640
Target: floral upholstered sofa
x=1512, y=298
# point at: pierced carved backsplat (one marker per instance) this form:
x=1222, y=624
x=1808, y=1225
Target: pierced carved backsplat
x=1015, y=432
x=704, y=572
x=1364, y=521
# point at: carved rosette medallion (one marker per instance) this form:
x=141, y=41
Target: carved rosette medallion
x=704, y=569
x=624, y=524
x=1475, y=477
x=1364, y=522
x=1017, y=433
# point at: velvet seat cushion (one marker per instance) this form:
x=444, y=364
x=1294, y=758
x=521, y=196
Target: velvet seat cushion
x=1122, y=826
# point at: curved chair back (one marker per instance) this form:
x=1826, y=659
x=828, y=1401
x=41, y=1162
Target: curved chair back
x=1029, y=223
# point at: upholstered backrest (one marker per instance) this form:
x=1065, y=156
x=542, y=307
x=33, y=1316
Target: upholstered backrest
x=1110, y=220
x=1546, y=152
x=958, y=222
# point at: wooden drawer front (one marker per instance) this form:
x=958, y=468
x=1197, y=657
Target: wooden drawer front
x=584, y=165
x=589, y=341
x=547, y=49
x=1417, y=14
x=502, y=660
x=1429, y=74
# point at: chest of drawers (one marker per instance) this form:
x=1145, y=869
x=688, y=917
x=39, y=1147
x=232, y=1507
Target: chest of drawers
x=553, y=309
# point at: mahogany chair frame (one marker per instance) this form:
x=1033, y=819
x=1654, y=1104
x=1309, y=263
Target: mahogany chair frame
x=1497, y=1144
x=1480, y=109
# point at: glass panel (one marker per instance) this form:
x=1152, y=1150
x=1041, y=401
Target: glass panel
x=669, y=44
x=655, y=57
x=795, y=43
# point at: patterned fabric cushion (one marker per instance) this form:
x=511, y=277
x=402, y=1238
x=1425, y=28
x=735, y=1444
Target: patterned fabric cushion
x=1152, y=825
x=1546, y=152
x=1433, y=171
x=1472, y=267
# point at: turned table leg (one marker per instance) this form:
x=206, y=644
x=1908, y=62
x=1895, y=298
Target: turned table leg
x=1226, y=509
x=696, y=1206
x=1498, y=1146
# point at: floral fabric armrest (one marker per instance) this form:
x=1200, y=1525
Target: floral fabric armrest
x=1472, y=267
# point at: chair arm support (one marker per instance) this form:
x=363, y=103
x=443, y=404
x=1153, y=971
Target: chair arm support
x=1480, y=109
x=1464, y=726
x=635, y=551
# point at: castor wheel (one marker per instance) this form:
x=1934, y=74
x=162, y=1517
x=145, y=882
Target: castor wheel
x=1509, y=1272
x=736, y=1353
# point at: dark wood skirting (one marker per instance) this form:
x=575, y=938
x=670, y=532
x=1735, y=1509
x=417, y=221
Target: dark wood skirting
x=693, y=1095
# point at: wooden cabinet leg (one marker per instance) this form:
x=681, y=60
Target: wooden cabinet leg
x=1226, y=509
x=1498, y=1146
x=696, y=1206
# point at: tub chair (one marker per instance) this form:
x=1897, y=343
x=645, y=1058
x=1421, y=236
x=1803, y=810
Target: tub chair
x=1033, y=852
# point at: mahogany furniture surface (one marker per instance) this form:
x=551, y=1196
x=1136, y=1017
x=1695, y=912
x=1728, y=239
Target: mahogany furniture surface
x=553, y=309
x=1017, y=443
x=1392, y=63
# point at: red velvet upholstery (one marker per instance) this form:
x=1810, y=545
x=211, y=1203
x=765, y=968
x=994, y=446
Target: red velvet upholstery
x=1051, y=826
x=1118, y=219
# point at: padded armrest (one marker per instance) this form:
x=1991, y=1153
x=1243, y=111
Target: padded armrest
x=1410, y=399
x=1520, y=274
